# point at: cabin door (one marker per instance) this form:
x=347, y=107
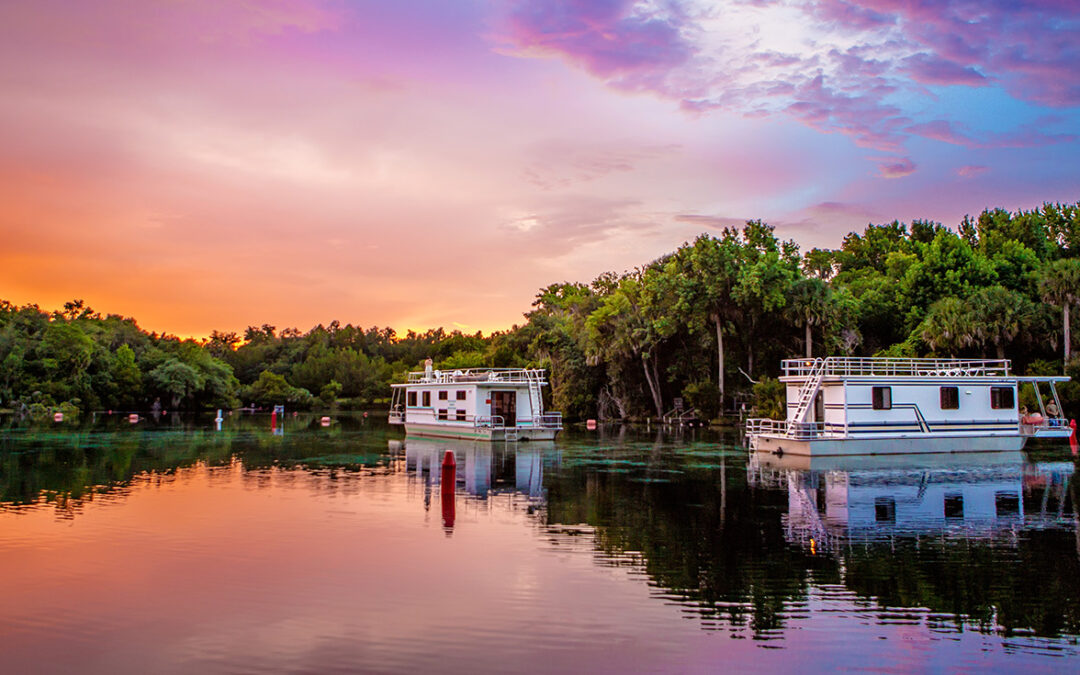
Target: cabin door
x=819, y=407
x=504, y=404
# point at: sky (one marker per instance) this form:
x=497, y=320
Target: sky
x=209, y=165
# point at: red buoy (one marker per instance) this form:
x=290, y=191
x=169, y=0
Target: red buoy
x=273, y=420
x=447, y=485
x=1072, y=438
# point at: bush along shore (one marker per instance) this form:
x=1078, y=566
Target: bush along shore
x=707, y=323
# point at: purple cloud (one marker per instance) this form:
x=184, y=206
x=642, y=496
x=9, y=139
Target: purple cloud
x=850, y=68
x=930, y=69
x=1032, y=47
x=896, y=169
x=1025, y=136
x=607, y=38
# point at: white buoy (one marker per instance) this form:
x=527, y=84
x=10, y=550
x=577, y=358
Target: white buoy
x=58, y=417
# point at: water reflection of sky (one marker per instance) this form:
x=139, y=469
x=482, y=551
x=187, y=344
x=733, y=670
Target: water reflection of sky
x=326, y=549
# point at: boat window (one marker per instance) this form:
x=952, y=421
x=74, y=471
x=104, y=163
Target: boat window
x=954, y=506
x=426, y=398
x=882, y=397
x=461, y=415
x=950, y=398
x=461, y=394
x=442, y=395
x=885, y=507
x=1006, y=503
x=1001, y=398
x=442, y=414
x=411, y=399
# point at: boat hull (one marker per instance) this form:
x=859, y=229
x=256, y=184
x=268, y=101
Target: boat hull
x=479, y=433
x=844, y=447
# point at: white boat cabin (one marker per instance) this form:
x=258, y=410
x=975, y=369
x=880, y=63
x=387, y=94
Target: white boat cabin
x=849, y=405
x=484, y=403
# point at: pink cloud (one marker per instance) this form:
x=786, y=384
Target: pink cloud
x=939, y=130
x=971, y=170
x=896, y=169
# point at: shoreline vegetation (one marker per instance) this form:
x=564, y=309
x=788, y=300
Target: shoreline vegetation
x=707, y=323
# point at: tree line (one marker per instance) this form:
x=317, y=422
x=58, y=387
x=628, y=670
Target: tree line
x=707, y=323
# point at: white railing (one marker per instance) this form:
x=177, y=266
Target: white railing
x=857, y=366
x=545, y=421
x=489, y=422
x=799, y=431
x=525, y=375
x=396, y=417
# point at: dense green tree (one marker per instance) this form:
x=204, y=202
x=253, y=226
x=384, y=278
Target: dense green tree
x=625, y=324
x=947, y=267
x=176, y=380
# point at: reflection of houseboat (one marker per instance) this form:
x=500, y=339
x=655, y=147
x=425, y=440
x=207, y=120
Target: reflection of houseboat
x=854, y=406
x=983, y=495
x=476, y=465
x=481, y=403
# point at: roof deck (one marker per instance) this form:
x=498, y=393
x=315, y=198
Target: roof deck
x=476, y=375
x=858, y=366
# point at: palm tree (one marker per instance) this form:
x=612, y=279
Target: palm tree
x=811, y=301
x=1060, y=286
x=948, y=327
x=999, y=314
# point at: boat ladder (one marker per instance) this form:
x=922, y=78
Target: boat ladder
x=510, y=434
x=536, y=398
x=808, y=391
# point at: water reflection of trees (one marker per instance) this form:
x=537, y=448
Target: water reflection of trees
x=709, y=538
x=717, y=544
x=64, y=469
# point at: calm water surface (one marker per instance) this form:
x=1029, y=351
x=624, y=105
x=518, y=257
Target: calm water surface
x=171, y=547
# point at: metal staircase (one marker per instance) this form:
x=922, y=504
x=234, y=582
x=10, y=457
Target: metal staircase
x=808, y=391
x=536, y=398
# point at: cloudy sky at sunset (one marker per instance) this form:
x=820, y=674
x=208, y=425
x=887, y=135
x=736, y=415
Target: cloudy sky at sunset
x=210, y=164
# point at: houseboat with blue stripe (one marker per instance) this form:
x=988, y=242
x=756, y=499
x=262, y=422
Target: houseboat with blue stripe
x=859, y=406
x=494, y=404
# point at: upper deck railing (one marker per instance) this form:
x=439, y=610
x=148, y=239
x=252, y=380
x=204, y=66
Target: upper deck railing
x=522, y=375
x=896, y=367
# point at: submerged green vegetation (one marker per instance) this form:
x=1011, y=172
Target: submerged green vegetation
x=703, y=323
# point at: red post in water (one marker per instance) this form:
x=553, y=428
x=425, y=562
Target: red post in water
x=273, y=420
x=1072, y=439
x=447, y=485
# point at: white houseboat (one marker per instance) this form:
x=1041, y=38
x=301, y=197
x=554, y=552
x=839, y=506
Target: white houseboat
x=484, y=403
x=858, y=406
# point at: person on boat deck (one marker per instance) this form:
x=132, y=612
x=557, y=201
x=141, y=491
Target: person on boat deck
x=1052, y=410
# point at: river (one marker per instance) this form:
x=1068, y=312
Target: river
x=169, y=546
